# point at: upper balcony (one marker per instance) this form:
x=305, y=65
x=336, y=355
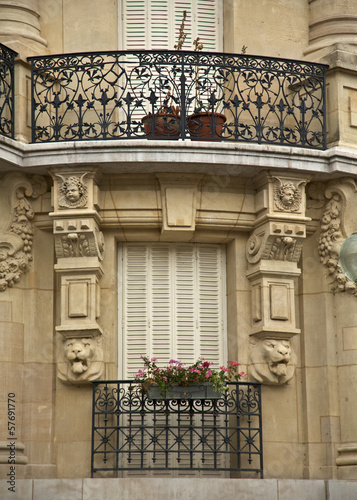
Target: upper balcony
x=177, y=95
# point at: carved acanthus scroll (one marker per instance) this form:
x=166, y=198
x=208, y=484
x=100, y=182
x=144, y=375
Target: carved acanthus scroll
x=276, y=241
x=78, y=238
x=16, y=226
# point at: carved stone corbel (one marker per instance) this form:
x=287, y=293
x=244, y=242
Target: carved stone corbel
x=338, y=222
x=79, y=246
x=78, y=238
x=16, y=229
x=276, y=241
x=273, y=360
x=179, y=204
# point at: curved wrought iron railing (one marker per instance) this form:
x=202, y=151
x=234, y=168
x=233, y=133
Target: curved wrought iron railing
x=177, y=94
x=7, y=111
x=132, y=433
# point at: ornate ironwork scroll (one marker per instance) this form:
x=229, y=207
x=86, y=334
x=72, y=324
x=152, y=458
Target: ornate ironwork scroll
x=128, y=95
x=7, y=111
x=130, y=432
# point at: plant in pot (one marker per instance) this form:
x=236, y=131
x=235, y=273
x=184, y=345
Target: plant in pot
x=205, y=123
x=178, y=381
x=165, y=123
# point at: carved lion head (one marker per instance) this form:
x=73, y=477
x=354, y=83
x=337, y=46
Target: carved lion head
x=79, y=352
x=271, y=358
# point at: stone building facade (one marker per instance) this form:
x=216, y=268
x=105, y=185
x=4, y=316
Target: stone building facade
x=71, y=211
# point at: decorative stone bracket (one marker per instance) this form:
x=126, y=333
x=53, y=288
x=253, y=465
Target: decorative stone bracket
x=79, y=246
x=179, y=205
x=272, y=252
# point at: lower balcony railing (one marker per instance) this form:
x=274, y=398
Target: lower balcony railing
x=132, y=433
x=178, y=95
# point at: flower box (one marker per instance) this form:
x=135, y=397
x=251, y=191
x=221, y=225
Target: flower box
x=204, y=390
x=176, y=381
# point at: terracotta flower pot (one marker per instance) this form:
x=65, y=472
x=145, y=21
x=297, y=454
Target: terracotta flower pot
x=162, y=125
x=206, y=126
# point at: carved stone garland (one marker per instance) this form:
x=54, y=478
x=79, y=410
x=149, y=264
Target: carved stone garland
x=332, y=234
x=16, y=228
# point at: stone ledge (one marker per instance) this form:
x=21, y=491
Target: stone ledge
x=179, y=489
x=142, y=156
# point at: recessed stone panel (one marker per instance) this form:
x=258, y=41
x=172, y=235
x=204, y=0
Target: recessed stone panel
x=279, y=302
x=78, y=299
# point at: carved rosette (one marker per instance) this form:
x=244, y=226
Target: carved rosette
x=16, y=229
x=333, y=233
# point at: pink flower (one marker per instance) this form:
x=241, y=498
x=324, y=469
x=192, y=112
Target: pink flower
x=140, y=373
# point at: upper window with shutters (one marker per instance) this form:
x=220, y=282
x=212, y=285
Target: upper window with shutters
x=155, y=24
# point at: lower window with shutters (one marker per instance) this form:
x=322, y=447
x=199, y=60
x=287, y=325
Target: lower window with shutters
x=172, y=307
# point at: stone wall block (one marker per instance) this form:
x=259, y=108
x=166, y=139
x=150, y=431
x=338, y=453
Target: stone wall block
x=12, y=342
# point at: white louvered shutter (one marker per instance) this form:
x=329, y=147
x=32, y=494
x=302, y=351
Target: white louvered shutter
x=155, y=24
x=173, y=303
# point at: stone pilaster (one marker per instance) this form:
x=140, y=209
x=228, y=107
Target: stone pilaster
x=79, y=246
x=273, y=251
